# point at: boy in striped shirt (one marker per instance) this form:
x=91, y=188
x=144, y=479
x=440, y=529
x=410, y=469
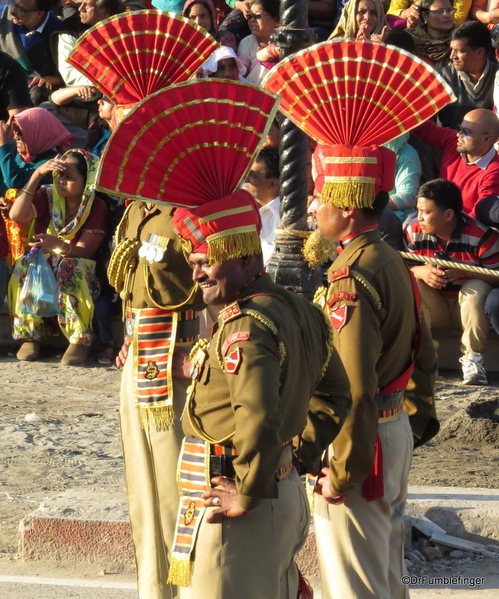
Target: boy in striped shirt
x=450, y=296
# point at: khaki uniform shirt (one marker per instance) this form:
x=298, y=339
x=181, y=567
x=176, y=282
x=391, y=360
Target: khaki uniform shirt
x=262, y=369
x=165, y=284
x=371, y=304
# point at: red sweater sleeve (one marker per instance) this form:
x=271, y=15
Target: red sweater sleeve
x=431, y=134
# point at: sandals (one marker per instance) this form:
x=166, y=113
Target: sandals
x=107, y=355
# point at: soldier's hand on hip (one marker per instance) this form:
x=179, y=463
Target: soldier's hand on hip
x=225, y=500
x=325, y=483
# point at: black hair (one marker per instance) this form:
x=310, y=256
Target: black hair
x=112, y=7
x=424, y=5
x=476, y=34
x=44, y=5
x=271, y=7
x=269, y=157
x=401, y=39
x=376, y=210
x=81, y=163
x=445, y=194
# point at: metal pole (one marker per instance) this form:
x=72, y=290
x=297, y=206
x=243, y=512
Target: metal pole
x=287, y=266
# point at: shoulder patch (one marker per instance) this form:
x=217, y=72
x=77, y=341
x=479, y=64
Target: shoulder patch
x=234, y=338
x=341, y=273
x=338, y=317
x=230, y=313
x=233, y=361
x=337, y=296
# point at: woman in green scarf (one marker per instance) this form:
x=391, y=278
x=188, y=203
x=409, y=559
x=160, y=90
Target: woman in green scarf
x=69, y=226
x=433, y=35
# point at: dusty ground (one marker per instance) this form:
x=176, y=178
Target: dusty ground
x=458, y=461
x=73, y=440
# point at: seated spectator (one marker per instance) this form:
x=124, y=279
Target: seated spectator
x=485, y=11
x=69, y=226
x=14, y=93
x=203, y=13
x=408, y=9
x=407, y=176
x=321, y=15
x=272, y=139
x=262, y=20
x=91, y=12
x=25, y=30
x=263, y=184
x=450, y=296
x=471, y=75
x=224, y=63
x=361, y=19
x=33, y=137
x=72, y=103
x=469, y=157
x=433, y=34
x=400, y=39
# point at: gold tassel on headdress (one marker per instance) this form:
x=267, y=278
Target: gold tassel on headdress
x=348, y=192
x=227, y=245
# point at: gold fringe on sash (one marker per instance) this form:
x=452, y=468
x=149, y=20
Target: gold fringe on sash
x=159, y=418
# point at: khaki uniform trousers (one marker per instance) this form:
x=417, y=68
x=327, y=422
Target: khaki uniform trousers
x=465, y=312
x=252, y=557
x=360, y=544
x=150, y=470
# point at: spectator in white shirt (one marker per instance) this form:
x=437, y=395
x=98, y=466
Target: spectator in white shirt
x=263, y=184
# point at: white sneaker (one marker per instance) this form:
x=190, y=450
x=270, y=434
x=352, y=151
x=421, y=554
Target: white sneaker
x=473, y=370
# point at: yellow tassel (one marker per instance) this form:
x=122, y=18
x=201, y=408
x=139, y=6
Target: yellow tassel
x=348, y=194
x=159, y=418
x=233, y=246
x=180, y=572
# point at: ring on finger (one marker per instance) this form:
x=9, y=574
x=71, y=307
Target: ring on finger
x=216, y=501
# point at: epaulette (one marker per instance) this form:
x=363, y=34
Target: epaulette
x=235, y=312
x=347, y=272
x=231, y=312
x=341, y=273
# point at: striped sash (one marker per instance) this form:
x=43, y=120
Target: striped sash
x=193, y=477
x=153, y=345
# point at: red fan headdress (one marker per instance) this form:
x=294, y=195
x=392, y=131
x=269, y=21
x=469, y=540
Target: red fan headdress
x=351, y=97
x=134, y=54
x=191, y=144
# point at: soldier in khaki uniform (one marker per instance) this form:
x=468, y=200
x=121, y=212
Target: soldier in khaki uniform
x=387, y=352
x=160, y=303
x=268, y=363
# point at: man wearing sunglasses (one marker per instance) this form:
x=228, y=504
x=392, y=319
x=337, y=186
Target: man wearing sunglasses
x=25, y=30
x=469, y=158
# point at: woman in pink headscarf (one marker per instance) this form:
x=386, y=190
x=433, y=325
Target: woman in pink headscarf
x=33, y=137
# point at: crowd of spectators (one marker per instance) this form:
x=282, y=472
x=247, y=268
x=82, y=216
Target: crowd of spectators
x=445, y=199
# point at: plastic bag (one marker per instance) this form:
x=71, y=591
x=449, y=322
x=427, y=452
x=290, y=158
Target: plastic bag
x=40, y=292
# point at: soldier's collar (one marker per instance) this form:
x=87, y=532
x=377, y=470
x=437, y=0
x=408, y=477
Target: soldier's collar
x=349, y=238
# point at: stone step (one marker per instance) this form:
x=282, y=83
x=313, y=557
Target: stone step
x=91, y=524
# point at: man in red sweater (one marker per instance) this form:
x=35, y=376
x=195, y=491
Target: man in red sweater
x=469, y=157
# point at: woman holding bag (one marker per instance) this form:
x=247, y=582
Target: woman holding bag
x=69, y=226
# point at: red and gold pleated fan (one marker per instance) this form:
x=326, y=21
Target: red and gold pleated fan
x=357, y=93
x=188, y=144
x=134, y=54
